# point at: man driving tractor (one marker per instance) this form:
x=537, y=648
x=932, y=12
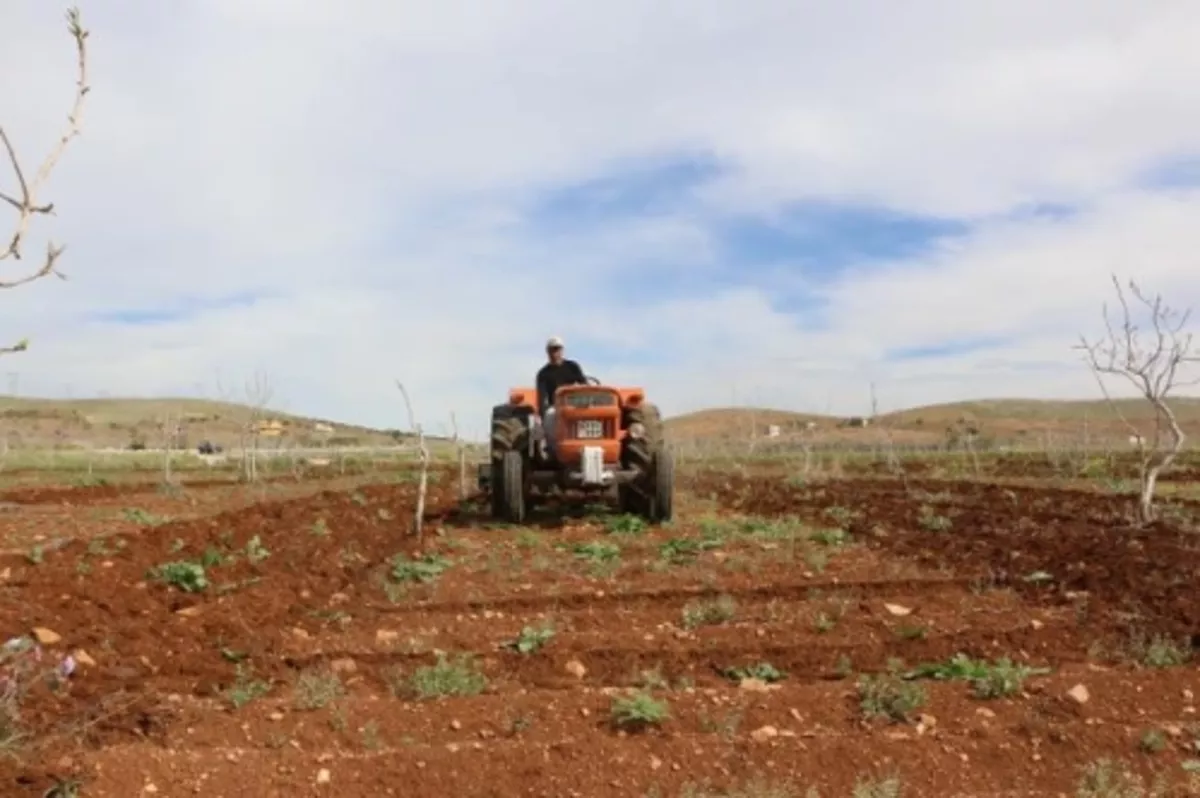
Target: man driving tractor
x=556, y=373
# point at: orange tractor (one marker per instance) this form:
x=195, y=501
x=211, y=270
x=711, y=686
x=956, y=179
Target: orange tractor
x=606, y=440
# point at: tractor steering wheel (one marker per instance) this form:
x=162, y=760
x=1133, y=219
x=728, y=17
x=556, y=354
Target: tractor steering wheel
x=592, y=381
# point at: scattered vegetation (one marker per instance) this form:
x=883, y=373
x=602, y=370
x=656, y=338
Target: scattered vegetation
x=422, y=569
x=887, y=696
x=638, y=711
x=458, y=677
x=709, y=612
x=998, y=679
x=318, y=690
x=532, y=639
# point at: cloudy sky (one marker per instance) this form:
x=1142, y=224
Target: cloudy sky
x=776, y=202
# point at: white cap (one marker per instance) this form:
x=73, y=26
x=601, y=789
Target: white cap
x=555, y=342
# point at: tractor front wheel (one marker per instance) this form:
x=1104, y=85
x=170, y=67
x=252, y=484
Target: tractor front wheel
x=509, y=496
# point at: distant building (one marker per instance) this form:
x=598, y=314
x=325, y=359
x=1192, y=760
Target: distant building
x=269, y=428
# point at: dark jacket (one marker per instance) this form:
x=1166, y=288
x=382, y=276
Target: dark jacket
x=551, y=377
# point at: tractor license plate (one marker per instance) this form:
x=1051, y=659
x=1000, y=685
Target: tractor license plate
x=590, y=429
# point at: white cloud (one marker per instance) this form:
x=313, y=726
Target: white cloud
x=366, y=166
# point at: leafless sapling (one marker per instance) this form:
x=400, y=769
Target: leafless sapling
x=1154, y=361
x=26, y=200
x=171, y=425
x=423, y=477
x=461, y=453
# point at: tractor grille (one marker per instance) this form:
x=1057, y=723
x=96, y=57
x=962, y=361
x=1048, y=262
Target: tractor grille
x=582, y=400
x=591, y=429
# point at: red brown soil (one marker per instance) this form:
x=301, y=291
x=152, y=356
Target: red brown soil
x=155, y=708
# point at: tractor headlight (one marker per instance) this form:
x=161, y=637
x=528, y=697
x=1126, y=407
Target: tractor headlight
x=637, y=430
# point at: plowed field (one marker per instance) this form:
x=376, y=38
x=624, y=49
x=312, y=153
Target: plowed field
x=943, y=638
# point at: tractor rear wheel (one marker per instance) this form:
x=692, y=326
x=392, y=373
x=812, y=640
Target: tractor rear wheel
x=651, y=493
x=508, y=440
x=508, y=430
x=663, y=503
x=630, y=501
x=639, y=453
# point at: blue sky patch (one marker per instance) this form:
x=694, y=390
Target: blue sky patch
x=945, y=349
x=1179, y=172
x=1050, y=211
x=184, y=308
x=787, y=252
x=641, y=187
x=823, y=238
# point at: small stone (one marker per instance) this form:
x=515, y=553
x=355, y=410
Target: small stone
x=188, y=612
x=300, y=633
x=655, y=763
x=338, y=598
x=150, y=789
x=1188, y=695
x=343, y=665
x=576, y=669
x=585, y=712
x=276, y=716
x=984, y=712
x=386, y=637
x=83, y=658
x=454, y=724
x=1079, y=694
x=764, y=733
x=898, y=610
x=750, y=684
x=324, y=776
x=47, y=637
x=1036, y=624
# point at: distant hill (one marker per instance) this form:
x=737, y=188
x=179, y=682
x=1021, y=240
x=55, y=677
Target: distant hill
x=33, y=423
x=1000, y=420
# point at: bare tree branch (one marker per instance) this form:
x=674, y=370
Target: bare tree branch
x=1153, y=369
x=26, y=202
